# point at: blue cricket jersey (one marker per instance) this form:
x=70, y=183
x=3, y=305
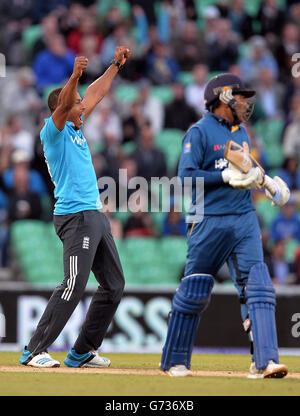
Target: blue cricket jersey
x=203, y=156
x=71, y=169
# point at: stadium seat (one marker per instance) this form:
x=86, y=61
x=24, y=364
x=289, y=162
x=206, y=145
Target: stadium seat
x=30, y=35
x=47, y=91
x=163, y=92
x=170, y=142
x=269, y=130
x=128, y=147
x=123, y=5
x=274, y=156
x=185, y=78
x=290, y=249
x=126, y=93
x=267, y=212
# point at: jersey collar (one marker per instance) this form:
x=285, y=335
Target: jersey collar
x=222, y=121
x=71, y=124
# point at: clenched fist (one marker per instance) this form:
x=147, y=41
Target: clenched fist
x=80, y=65
x=122, y=53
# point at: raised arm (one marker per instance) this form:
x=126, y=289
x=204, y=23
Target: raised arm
x=68, y=95
x=99, y=88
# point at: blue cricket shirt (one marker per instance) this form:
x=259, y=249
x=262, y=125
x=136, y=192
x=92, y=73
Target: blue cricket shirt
x=203, y=156
x=71, y=169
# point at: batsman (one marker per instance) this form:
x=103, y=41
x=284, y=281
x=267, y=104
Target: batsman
x=228, y=233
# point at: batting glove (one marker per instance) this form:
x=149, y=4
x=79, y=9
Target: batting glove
x=282, y=192
x=243, y=181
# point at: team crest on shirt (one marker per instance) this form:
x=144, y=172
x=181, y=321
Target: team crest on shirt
x=187, y=147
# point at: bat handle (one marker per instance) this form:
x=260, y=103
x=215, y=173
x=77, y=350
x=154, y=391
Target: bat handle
x=269, y=185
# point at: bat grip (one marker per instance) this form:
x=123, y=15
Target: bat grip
x=269, y=185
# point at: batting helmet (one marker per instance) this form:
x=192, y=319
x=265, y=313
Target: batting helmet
x=217, y=84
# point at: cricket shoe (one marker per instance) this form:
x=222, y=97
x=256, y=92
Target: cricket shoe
x=178, y=370
x=272, y=370
x=42, y=360
x=90, y=359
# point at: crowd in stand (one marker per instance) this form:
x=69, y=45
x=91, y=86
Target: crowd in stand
x=175, y=43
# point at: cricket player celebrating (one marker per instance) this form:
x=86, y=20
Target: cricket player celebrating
x=229, y=232
x=83, y=229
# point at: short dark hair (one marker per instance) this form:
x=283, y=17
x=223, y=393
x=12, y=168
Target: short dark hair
x=53, y=99
x=213, y=106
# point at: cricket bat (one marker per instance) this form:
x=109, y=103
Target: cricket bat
x=240, y=157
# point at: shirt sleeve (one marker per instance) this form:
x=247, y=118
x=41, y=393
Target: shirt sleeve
x=191, y=159
x=49, y=131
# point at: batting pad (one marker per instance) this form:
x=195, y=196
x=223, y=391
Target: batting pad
x=261, y=301
x=189, y=301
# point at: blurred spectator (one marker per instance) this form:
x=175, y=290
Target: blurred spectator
x=259, y=57
x=88, y=48
x=132, y=124
x=140, y=224
x=189, y=46
x=287, y=224
x=150, y=161
x=101, y=120
x=128, y=171
x=17, y=136
x=269, y=93
x=70, y=20
x=148, y=7
x=179, y=114
x=87, y=28
x=211, y=15
x=23, y=203
x=288, y=44
x=194, y=93
x=174, y=224
x=151, y=107
x=112, y=19
x=294, y=12
x=43, y=8
x=119, y=36
x=20, y=95
x=290, y=173
x=281, y=271
x=21, y=159
x=49, y=27
x=112, y=155
x=161, y=67
x=223, y=50
x=240, y=20
x=291, y=96
x=53, y=65
x=271, y=18
x=291, y=143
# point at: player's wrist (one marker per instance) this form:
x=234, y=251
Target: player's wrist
x=117, y=64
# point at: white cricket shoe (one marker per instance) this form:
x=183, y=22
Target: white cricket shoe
x=43, y=360
x=272, y=370
x=97, y=361
x=178, y=370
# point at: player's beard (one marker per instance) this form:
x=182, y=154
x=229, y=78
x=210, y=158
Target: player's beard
x=242, y=114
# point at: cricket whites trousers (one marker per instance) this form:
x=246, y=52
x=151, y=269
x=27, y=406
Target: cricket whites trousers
x=87, y=245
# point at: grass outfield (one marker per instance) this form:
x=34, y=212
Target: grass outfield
x=137, y=375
